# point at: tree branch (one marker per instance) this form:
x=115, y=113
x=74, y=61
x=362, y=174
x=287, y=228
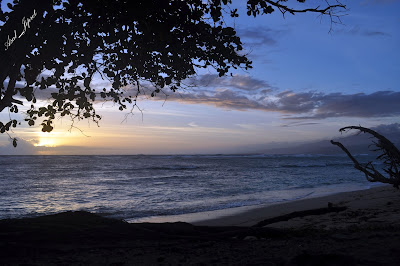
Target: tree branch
x=390, y=154
x=8, y=99
x=315, y=10
x=300, y=214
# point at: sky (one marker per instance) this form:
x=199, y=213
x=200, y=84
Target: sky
x=308, y=80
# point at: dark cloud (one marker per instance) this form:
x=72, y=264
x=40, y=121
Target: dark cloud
x=377, y=104
x=356, y=143
x=258, y=36
x=300, y=124
x=376, y=33
x=290, y=102
x=96, y=83
x=389, y=130
x=23, y=148
x=242, y=92
x=303, y=105
x=241, y=82
x=227, y=99
x=356, y=30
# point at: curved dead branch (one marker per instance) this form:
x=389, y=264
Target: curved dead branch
x=389, y=154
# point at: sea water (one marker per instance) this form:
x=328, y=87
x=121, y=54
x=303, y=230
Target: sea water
x=133, y=187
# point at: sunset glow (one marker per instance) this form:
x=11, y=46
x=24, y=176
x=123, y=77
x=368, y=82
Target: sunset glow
x=305, y=84
x=48, y=140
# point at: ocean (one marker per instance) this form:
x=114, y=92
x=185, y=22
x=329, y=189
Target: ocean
x=139, y=186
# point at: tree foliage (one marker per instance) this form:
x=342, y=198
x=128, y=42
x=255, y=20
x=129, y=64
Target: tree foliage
x=388, y=154
x=61, y=45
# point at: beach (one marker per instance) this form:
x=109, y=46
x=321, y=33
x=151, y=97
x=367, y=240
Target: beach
x=371, y=206
x=351, y=228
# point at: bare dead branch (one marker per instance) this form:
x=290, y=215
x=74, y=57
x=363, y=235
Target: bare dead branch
x=390, y=156
x=333, y=11
x=317, y=9
x=300, y=214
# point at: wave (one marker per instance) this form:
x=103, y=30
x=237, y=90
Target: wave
x=301, y=165
x=172, y=167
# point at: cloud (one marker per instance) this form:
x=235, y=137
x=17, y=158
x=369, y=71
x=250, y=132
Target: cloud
x=380, y=2
x=358, y=142
x=241, y=82
x=193, y=124
x=300, y=124
x=227, y=99
x=377, y=104
x=356, y=30
x=258, y=36
x=355, y=142
x=389, y=130
x=27, y=147
x=376, y=33
x=243, y=92
x=23, y=148
x=302, y=105
x=45, y=95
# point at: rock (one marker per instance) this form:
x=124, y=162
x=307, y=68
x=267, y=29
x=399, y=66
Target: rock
x=251, y=238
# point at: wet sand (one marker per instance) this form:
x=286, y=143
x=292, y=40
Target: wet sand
x=352, y=228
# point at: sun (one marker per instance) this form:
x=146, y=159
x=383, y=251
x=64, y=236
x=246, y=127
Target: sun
x=47, y=140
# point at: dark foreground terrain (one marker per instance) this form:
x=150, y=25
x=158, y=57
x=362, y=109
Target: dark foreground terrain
x=81, y=238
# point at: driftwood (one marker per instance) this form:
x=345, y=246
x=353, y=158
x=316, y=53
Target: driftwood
x=299, y=214
x=389, y=154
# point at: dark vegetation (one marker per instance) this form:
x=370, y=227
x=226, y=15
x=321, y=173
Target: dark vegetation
x=388, y=154
x=54, y=50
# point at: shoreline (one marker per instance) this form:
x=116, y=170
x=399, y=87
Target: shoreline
x=246, y=215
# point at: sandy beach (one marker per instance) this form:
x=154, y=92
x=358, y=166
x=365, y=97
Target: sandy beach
x=351, y=228
x=364, y=207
